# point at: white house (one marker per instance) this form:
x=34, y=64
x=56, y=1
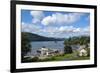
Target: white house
x=82, y=51
x=46, y=52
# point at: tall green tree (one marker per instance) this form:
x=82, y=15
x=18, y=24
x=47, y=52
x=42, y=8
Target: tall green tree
x=25, y=45
x=67, y=49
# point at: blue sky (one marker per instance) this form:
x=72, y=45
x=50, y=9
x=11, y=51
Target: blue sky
x=55, y=24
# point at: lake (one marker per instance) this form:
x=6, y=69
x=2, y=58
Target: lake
x=48, y=44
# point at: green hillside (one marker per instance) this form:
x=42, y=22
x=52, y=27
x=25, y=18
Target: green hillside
x=36, y=37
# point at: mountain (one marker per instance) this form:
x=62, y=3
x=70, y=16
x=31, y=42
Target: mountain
x=36, y=37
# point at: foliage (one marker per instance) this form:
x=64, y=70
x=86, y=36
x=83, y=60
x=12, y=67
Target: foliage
x=36, y=37
x=82, y=40
x=28, y=59
x=25, y=46
x=67, y=49
x=35, y=59
x=88, y=51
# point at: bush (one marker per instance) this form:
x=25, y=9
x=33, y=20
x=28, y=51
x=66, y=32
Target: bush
x=88, y=51
x=68, y=49
x=28, y=59
x=35, y=59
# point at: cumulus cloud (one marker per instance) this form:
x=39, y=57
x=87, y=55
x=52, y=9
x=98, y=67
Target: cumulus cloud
x=37, y=16
x=77, y=30
x=71, y=29
x=66, y=29
x=59, y=18
x=55, y=24
x=62, y=31
x=51, y=30
x=30, y=28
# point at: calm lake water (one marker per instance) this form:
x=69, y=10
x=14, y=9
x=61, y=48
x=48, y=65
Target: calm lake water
x=48, y=44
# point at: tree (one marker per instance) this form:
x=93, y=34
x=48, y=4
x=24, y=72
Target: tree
x=82, y=40
x=25, y=46
x=68, y=49
x=88, y=51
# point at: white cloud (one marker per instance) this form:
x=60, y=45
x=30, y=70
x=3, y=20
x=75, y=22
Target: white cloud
x=50, y=31
x=77, y=30
x=59, y=18
x=66, y=29
x=86, y=29
x=37, y=16
x=55, y=25
x=49, y=20
x=71, y=29
x=30, y=28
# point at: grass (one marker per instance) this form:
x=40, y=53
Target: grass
x=81, y=58
x=63, y=57
x=66, y=57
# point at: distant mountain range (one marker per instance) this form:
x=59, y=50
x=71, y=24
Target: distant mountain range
x=36, y=37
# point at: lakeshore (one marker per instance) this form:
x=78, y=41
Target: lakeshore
x=75, y=48
x=48, y=54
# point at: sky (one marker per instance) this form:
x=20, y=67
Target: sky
x=55, y=24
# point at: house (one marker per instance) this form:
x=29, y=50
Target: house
x=44, y=52
x=82, y=51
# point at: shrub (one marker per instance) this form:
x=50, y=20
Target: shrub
x=88, y=51
x=67, y=49
x=35, y=59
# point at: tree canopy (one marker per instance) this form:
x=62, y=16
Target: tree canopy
x=25, y=45
x=82, y=40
